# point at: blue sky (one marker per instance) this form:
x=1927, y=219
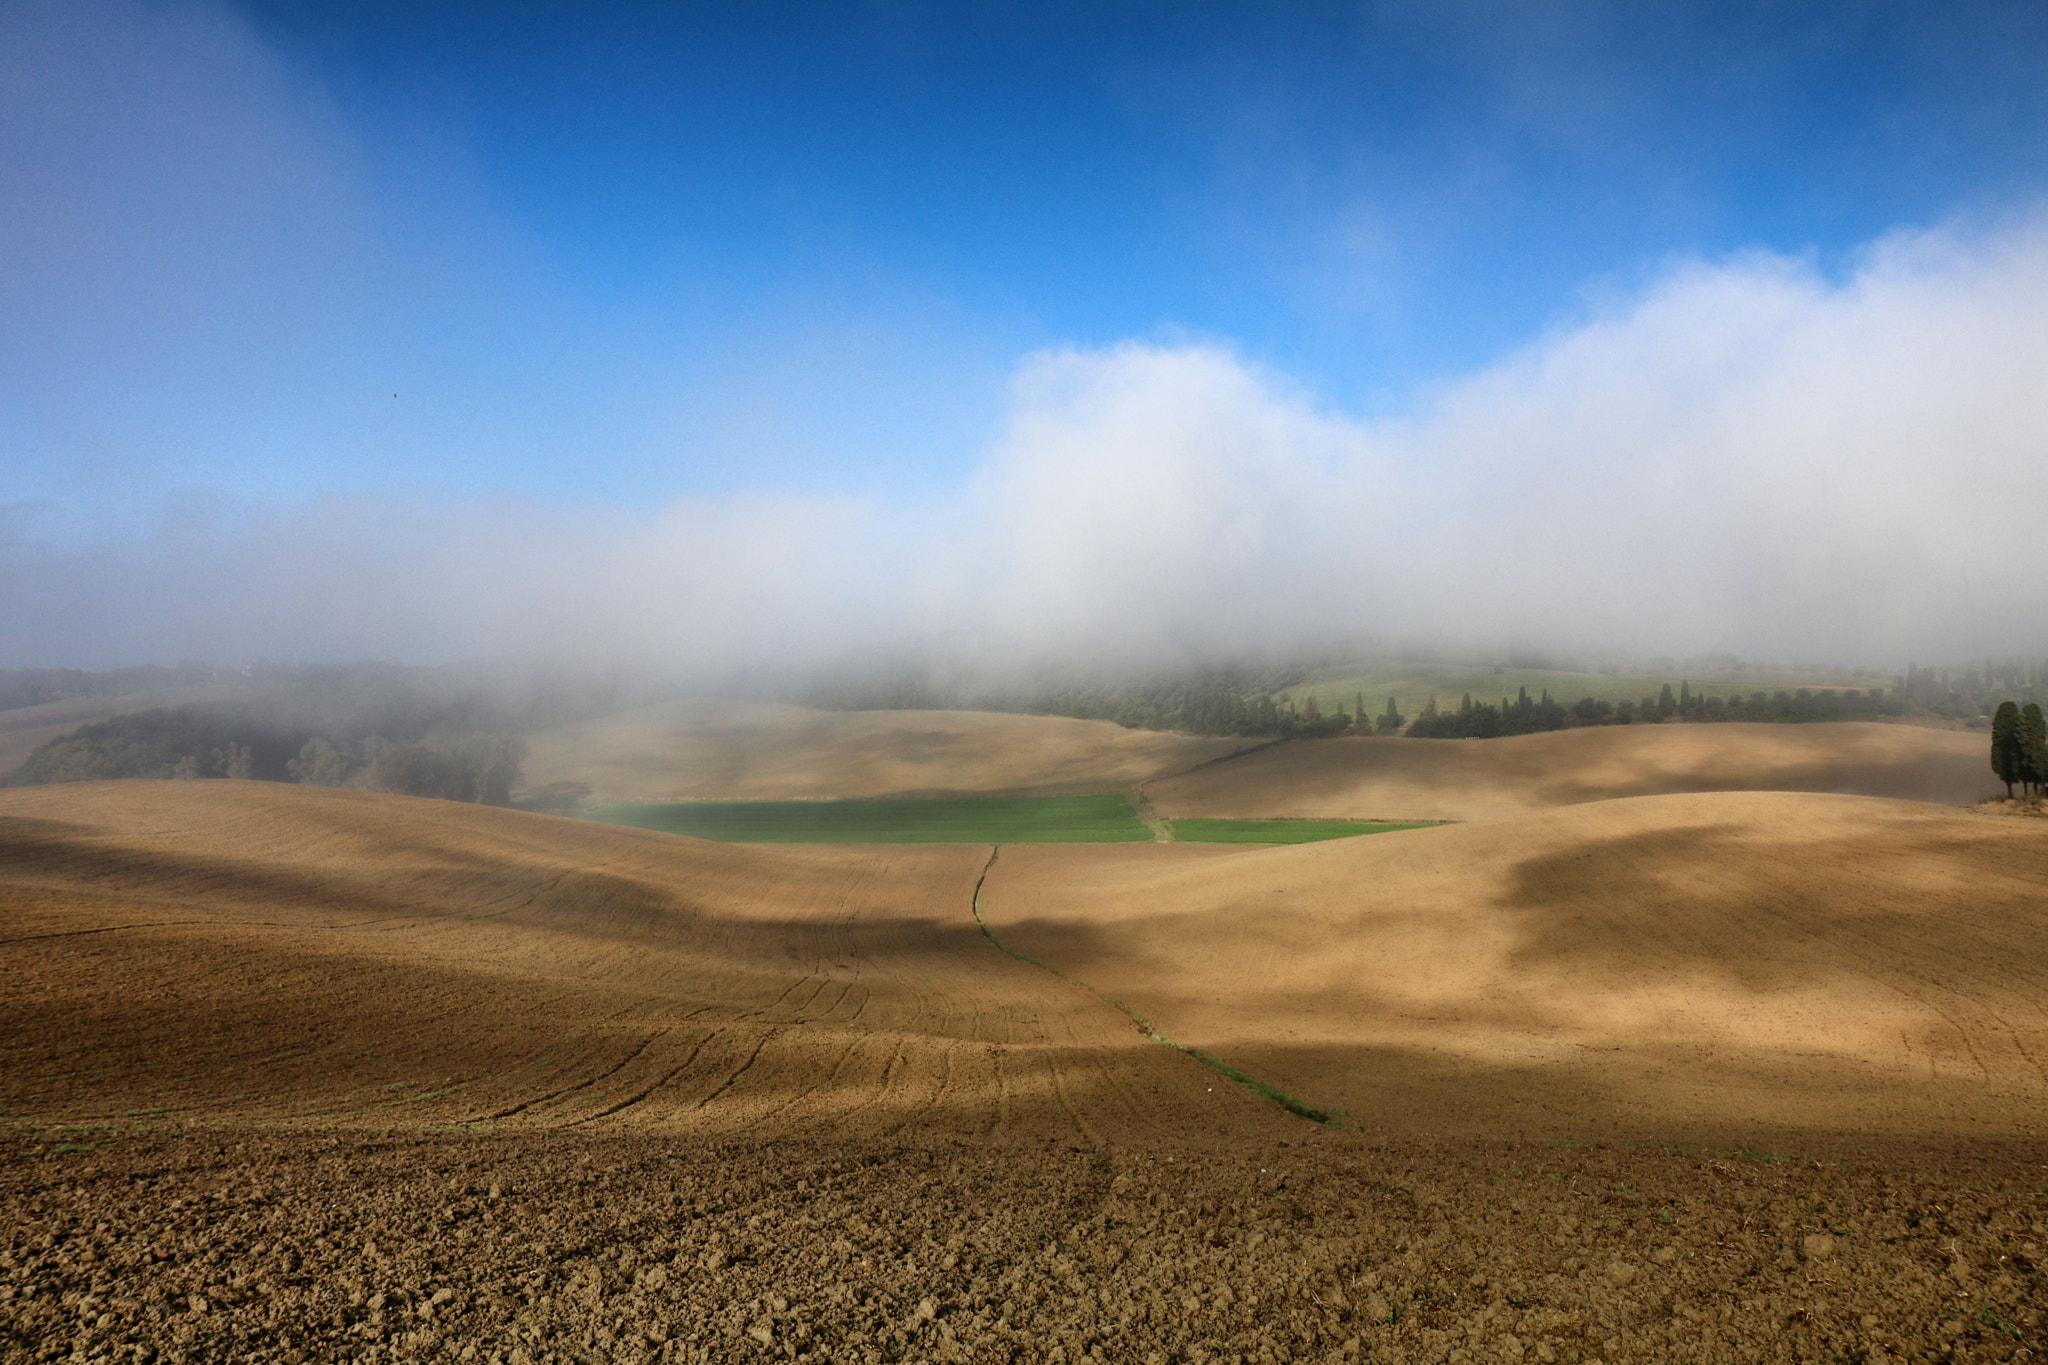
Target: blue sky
x=257, y=255
x=772, y=245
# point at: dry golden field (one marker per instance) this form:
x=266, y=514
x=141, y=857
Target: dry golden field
x=1725, y=968
x=297, y=1074
x=285, y=955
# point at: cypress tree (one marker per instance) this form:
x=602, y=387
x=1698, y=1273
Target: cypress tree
x=2033, y=738
x=1666, y=703
x=2005, y=745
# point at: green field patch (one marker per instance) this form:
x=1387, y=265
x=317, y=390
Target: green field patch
x=953, y=820
x=1278, y=831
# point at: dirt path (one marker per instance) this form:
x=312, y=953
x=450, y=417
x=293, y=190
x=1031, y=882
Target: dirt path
x=1160, y=833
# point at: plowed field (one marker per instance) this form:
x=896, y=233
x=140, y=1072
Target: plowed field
x=291, y=955
x=694, y=750
x=293, y=1074
x=1721, y=968
x=1480, y=779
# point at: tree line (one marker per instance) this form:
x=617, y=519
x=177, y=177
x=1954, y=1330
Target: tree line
x=1202, y=701
x=193, y=743
x=1971, y=692
x=1526, y=715
x=1245, y=702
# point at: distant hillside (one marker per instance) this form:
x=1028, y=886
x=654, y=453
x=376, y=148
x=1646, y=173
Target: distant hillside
x=768, y=751
x=1711, y=968
x=1403, y=779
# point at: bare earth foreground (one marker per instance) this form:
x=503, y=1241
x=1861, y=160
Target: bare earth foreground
x=301, y=1075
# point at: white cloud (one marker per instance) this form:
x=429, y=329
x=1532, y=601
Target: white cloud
x=1748, y=456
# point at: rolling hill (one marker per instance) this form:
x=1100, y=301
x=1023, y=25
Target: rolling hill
x=1723, y=968
x=300, y=1072
x=730, y=751
x=1478, y=779
x=290, y=955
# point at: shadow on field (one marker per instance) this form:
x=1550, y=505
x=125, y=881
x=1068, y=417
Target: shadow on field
x=1858, y=966
x=1657, y=1095
x=588, y=997
x=1757, y=915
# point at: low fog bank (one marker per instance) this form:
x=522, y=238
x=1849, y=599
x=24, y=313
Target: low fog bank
x=1747, y=457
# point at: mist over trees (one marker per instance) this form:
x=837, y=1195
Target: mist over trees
x=198, y=743
x=482, y=768
x=445, y=733
x=1246, y=700
x=188, y=742
x=1971, y=693
x=1202, y=701
x=35, y=686
x=454, y=733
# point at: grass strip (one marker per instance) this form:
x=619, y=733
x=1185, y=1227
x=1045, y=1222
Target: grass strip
x=952, y=820
x=1280, y=831
x=1270, y=1093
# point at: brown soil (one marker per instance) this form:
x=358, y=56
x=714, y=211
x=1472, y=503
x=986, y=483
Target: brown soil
x=260, y=953
x=207, y=1246
x=308, y=1075
x=704, y=749
x=1479, y=779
